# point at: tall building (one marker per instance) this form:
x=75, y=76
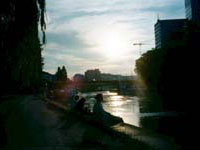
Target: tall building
x=165, y=28
x=192, y=10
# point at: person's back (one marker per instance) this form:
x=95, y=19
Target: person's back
x=98, y=110
x=80, y=104
x=73, y=101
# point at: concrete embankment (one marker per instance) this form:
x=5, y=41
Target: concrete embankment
x=31, y=123
x=153, y=139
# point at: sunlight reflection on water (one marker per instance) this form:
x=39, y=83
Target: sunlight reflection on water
x=126, y=107
x=123, y=106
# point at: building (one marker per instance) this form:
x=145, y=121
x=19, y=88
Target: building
x=48, y=77
x=165, y=28
x=192, y=10
x=93, y=75
x=78, y=78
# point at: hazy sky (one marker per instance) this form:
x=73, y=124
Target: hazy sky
x=89, y=34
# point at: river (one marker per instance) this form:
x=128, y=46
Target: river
x=127, y=107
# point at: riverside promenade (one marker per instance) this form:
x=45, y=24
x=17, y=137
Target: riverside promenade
x=34, y=124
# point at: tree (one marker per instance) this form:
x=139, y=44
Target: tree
x=61, y=74
x=148, y=69
x=64, y=73
x=58, y=74
x=21, y=60
x=170, y=70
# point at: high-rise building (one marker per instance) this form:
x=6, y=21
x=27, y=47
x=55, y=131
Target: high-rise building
x=165, y=28
x=192, y=10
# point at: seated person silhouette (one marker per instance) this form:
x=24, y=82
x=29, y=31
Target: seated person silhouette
x=98, y=110
x=74, y=101
x=80, y=105
x=101, y=116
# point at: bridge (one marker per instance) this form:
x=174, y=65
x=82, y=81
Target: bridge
x=122, y=85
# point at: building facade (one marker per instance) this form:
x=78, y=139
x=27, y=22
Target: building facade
x=48, y=77
x=93, y=75
x=164, y=29
x=78, y=78
x=192, y=10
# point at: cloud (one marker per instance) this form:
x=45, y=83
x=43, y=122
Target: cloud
x=77, y=30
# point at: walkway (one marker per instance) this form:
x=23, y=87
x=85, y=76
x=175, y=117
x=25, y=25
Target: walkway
x=33, y=124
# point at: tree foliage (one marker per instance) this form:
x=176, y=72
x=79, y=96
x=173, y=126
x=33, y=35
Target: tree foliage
x=170, y=70
x=61, y=74
x=21, y=60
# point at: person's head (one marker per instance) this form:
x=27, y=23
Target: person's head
x=82, y=100
x=76, y=97
x=99, y=97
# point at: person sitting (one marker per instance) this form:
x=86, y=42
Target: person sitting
x=80, y=105
x=98, y=110
x=74, y=101
x=101, y=116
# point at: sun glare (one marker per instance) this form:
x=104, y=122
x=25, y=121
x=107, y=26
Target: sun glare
x=112, y=45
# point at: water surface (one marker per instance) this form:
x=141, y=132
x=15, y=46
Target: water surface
x=126, y=107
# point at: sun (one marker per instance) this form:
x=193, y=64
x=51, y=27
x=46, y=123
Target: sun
x=111, y=42
x=112, y=45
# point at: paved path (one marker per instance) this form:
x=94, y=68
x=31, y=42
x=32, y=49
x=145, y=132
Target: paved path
x=33, y=124
x=29, y=123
